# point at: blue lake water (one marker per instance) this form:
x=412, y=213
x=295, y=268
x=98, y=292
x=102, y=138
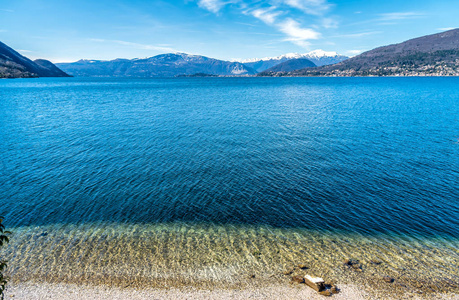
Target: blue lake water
x=342, y=157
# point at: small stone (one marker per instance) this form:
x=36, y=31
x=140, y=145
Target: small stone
x=302, y=266
x=334, y=289
x=298, y=279
x=388, y=279
x=288, y=272
x=252, y=276
x=375, y=261
x=326, y=293
x=350, y=262
x=316, y=283
x=354, y=264
x=44, y=234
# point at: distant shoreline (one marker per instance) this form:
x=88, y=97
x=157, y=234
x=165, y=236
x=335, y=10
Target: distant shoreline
x=249, y=76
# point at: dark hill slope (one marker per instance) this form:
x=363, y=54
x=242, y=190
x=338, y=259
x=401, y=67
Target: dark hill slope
x=51, y=69
x=291, y=65
x=436, y=54
x=14, y=65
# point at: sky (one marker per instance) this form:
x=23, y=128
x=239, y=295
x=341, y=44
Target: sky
x=69, y=30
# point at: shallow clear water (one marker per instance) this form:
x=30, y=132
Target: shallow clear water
x=258, y=172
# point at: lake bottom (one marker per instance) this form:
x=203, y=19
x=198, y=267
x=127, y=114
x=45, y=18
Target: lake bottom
x=227, y=256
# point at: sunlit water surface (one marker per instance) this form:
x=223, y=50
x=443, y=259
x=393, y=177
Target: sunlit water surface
x=210, y=180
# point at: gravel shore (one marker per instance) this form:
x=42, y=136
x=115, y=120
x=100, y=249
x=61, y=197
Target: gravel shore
x=31, y=291
x=68, y=291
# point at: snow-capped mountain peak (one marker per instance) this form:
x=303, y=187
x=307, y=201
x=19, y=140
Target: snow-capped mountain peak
x=319, y=53
x=319, y=57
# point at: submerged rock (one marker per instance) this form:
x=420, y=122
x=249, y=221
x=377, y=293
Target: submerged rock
x=334, y=289
x=302, y=266
x=327, y=293
x=298, y=279
x=388, y=279
x=354, y=264
x=288, y=272
x=375, y=261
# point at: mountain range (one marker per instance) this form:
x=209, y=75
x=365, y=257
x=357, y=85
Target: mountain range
x=431, y=55
x=182, y=64
x=14, y=65
x=164, y=65
x=318, y=57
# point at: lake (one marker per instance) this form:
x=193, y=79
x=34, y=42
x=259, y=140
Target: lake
x=200, y=180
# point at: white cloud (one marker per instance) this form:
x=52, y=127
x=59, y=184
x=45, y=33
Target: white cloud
x=446, y=28
x=211, y=5
x=246, y=24
x=215, y=5
x=296, y=34
x=268, y=15
x=358, y=35
x=353, y=52
x=275, y=13
x=313, y=7
x=24, y=51
x=329, y=23
x=400, y=16
x=136, y=45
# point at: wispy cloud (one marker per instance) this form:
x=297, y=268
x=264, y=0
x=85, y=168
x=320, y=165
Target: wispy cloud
x=357, y=35
x=267, y=15
x=137, y=45
x=246, y=24
x=24, y=51
x=3, y=30
x=447, y=28
x=216, y=5
x=393, y=16
x=6, y=10
x=211, y=5
x=329, y=23
x=353, y=52
x=313, y=7
x=283, y=15
x=296, y=33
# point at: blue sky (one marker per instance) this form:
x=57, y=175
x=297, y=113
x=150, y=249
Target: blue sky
x=68, y=30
